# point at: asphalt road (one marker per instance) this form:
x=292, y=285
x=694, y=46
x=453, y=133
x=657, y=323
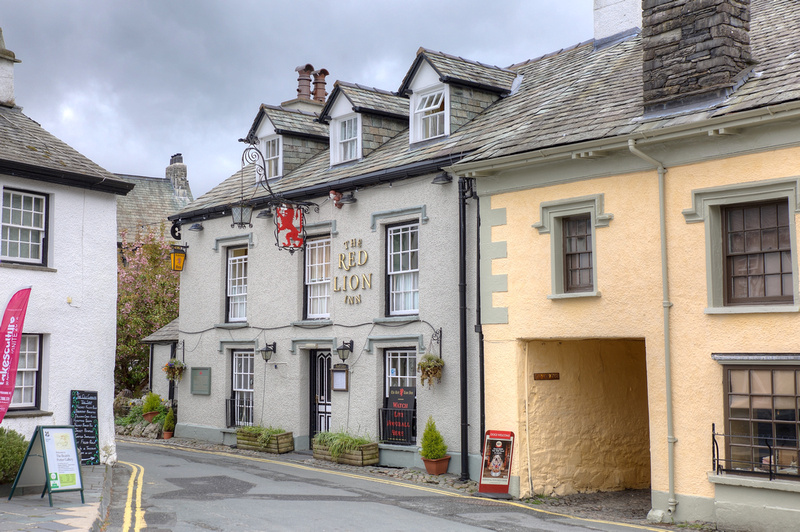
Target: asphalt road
x=162, y=488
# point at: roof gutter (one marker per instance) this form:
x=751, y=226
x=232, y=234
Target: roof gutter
x=763, y=115
x=70, y=179
x=322, y=189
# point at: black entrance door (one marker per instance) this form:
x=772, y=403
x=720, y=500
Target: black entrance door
x=320, y=391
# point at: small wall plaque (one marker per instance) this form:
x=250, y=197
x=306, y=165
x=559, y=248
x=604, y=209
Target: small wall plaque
x=546, y=376
x=340, y=378
x=200, y=381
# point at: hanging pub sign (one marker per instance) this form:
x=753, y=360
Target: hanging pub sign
x=289, y=230
x=498, y=448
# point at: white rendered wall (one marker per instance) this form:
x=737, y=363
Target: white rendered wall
x=73, y=304
x=616, y=16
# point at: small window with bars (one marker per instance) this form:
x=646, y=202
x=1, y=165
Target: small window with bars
x=577, y=232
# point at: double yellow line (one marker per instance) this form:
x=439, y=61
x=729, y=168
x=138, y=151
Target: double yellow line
x=134, y=512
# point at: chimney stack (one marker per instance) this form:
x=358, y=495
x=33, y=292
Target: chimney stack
x=319, y=85
x=694, y=51
x=304, y=81
x=176, y=173
x=7, y=60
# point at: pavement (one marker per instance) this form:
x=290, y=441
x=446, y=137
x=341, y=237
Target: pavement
x=28, y=510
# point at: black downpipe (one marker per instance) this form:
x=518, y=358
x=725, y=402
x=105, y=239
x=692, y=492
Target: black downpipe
x=478, y=322
x=462, y=296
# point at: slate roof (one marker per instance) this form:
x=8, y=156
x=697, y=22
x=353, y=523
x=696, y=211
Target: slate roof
x=148, y=205
x=368, y=99
x=598, y=94
x=166, y=334
x=452, y=69
x=574, y=95
x=28, y=150
x=290, y=122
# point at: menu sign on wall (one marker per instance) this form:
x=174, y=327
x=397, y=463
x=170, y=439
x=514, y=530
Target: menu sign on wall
x=83, y=413
x=399, y=419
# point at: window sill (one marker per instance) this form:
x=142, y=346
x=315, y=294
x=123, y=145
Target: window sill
x=750, y=482
x=573, y=295
x=27, y=413
x=752, y=309
x=396, y=319
x=314, y=323
x=34, y=267
x=232, y=325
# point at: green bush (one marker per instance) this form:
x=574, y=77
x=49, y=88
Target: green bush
x=12, y=452
x=340, y=442
x=152, y=403
x=134, y=416
x=433, y=446
x=169, y=421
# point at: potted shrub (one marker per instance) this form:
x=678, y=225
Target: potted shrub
x=174, y=369
x=434, y=450
x=430, y=367
x=151, y=406
x=169, y=425
x=344, y=448
x=264, y=439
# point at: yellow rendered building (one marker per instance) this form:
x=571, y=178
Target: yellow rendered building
x=639, y=266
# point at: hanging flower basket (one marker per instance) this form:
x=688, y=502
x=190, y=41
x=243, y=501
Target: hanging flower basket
x=174, y=369
x=430, y=367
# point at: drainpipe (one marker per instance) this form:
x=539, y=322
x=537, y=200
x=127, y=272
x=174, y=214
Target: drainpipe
x=671, y=440
x=464, y=193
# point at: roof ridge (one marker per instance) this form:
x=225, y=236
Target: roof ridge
x=288, y=110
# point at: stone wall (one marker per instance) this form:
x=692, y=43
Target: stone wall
x=297, y=150
x=377, y=130
x=466, y=103
x=693, y=49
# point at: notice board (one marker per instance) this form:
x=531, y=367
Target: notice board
x=83, y=414
x=52, y=461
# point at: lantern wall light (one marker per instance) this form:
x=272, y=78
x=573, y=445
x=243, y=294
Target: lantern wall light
x=178, y=257
x=196, y=227
x=267, y=351
x=344, y=350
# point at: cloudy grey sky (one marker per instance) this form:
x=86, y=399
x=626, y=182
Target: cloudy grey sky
x=129, y=83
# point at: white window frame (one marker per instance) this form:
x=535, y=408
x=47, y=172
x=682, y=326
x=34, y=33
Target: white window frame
x=28, y=377
x=236, y=284
x=23, y=226
x=343, y=148
x=404, y=364
x=242, y=386
x=424, y=109
x=707, y=207
x=318, y=277
x=551, y=218
x=403, y=271
x=272, y=148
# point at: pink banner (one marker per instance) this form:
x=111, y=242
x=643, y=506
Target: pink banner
x=10, y=334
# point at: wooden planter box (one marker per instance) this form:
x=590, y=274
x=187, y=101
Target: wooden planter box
x=365, y=455
x=278, y=443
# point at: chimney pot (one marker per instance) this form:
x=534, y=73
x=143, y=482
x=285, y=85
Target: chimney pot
x=304, y=81
x=319, y=85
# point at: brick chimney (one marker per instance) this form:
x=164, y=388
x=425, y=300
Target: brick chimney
x=176, y=173
x=319, y=85
x=304, y=81
x=7, y=60
x=695, y=51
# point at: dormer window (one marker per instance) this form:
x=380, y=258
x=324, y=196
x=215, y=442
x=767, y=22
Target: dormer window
x=272, y=157
x=346, y=144
x=429, y=119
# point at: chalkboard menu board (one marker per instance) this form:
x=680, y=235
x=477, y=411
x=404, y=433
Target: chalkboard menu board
x=84, y=419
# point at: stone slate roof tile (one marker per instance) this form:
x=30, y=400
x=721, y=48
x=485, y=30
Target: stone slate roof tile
x=152, y=200
x=452, y=69
x=291, y=121
x=167, y=333
x=25, y=141
x=372, y=99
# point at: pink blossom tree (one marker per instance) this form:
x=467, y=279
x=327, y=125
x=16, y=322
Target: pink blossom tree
x=147, y=299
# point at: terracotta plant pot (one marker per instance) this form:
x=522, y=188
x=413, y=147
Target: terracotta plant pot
x=166, y=434
x=148, y=416
x=438, y=466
